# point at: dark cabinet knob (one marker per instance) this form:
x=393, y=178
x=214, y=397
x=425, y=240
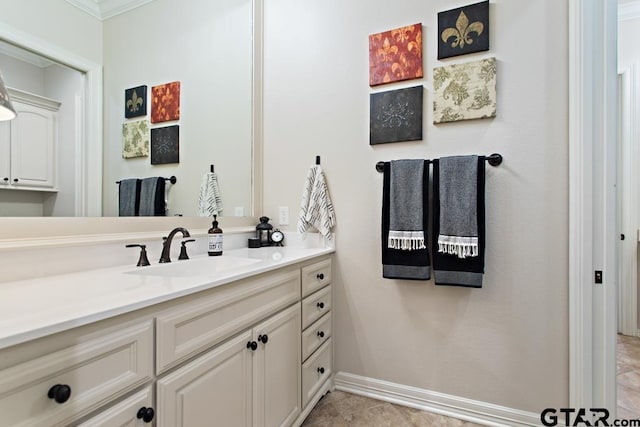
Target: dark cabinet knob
x=263, y=338
x=146, y=414
x=321, y=334
x=15, y=179
x=5, y=179
x=320, y=305
x=60, y=393
x=321, y=370
x=320, y=276
x=252, y=345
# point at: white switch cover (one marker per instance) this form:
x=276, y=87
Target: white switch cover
x=239, y=211
x=283, y=215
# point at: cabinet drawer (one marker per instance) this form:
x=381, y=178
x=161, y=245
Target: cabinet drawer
x=100, y=367
x=315, y=335
x=315, y=371
x=315, y=276
x=203, y=321
x=315, y=306
x=124, y=414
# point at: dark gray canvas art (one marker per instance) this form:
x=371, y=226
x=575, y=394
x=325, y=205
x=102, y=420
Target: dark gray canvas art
x=396, y=116
x=165, y=145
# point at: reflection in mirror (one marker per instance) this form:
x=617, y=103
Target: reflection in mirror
x=204, y=45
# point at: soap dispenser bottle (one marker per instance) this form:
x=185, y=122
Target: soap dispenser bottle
x=215, y=238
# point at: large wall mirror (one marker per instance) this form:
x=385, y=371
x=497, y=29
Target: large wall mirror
x=210, y=48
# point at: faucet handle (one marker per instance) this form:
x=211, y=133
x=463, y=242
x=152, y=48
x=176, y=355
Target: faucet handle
x=143, y=260
x=183, y=249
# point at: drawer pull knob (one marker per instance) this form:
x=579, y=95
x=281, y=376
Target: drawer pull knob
x=146, y=414
x=321, y=334
x=5, y=179
x=263, y=338
x=60, y=393
x=321, y=370
x=320, y=305
x=320, y=276
x=252, y=345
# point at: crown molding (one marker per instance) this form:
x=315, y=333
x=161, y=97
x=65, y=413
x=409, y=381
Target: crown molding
x=105, y=9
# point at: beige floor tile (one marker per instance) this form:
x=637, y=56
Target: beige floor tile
x=324, y=415
x=384, y=415
x=628, y=398
x=630, y=380
x=419, y=418
x=626, y=414
x=347, y=403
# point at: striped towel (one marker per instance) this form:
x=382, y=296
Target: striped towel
x=316, y=208
x=209, y=202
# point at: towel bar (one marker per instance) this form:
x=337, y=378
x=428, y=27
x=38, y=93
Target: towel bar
x=171, y=179
x=494, y=159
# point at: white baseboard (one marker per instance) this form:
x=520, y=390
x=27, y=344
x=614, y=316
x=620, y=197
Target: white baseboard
x=440, y=403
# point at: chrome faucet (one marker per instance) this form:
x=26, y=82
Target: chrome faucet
x=166, y=245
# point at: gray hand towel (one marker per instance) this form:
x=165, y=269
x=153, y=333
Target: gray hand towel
x=458, y=206
x=405, y=205
x=152, y=201
x=128, y=197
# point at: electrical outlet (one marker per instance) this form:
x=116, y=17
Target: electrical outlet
x=283, y=215
x=239, y=211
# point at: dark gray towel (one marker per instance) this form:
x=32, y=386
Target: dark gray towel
x=398, y=263
x=449, y=269
x=128, y=197
x=152, y=197
x=405, y=205
x=458, y=193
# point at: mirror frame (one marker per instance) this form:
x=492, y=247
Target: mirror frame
x=88, y=226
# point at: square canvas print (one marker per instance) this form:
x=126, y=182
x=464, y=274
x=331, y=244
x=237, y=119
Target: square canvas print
x=395, y=55
x=135, y=102
x=165, y=102
x=464, y=91
x=396, y=116
x=135, y=139
x=165, y=145
x=463, y=30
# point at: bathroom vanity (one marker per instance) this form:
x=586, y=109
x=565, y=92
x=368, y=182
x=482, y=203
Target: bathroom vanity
x=238, y=340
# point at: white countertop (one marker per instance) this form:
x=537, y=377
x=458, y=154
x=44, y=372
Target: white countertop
x=34, y=308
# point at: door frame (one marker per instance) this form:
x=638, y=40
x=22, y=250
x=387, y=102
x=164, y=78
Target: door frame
x=592, y=204
x=88, y=133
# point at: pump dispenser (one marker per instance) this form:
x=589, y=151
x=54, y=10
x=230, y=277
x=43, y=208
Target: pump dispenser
x=215, y=238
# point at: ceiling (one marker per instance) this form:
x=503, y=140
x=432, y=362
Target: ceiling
x=105, y=9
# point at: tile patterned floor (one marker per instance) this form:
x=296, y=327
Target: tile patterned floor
x=340, y=409
x=628, y=377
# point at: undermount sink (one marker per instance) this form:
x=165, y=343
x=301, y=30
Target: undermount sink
x=195, y=267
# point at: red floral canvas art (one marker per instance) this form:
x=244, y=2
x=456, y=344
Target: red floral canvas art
x=395, y=55
x=165, y=102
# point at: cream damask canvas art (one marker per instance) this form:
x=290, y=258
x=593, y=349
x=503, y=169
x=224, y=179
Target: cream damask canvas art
x=464, y=91
x=135, y=139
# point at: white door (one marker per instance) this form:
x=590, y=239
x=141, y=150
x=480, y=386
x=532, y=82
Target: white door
x=214, y=389
x=277, y=368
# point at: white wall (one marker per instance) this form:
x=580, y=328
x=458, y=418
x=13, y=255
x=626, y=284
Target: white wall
x=56, y=22
x=506, y=343
x=206, y=46
x=628, y=54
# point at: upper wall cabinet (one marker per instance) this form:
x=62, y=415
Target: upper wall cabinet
x=29, y=144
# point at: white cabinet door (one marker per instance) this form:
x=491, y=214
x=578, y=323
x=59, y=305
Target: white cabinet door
x=277, y=383
x=214, y=389
x=33, y=145
x=5, y=154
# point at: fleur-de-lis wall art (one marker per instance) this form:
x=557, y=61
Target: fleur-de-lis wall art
x=135, y=103
x=463, y=30
x=395, y=55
